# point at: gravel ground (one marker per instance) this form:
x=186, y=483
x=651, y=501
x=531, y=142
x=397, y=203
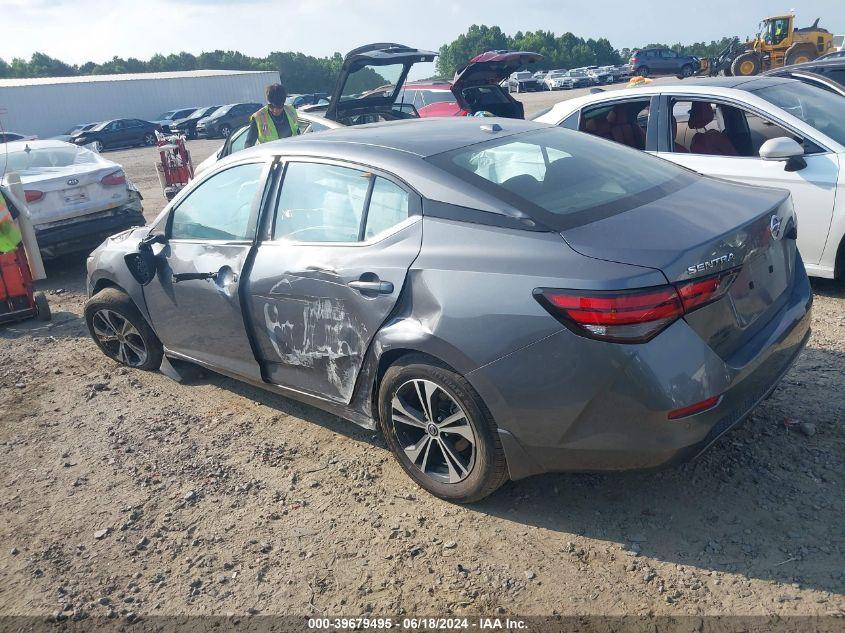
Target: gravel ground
x=124, y=493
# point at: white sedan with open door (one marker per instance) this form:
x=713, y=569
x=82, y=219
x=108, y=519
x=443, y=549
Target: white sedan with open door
x=765, y=131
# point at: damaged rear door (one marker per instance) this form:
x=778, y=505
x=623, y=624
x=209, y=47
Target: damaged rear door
x=329, y=272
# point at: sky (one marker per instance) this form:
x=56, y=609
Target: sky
x=88, y=30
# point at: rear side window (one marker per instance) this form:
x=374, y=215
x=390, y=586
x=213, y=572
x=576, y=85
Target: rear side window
x=388, y=207
x=564, y=178
x=329, y=203
x=321, y=203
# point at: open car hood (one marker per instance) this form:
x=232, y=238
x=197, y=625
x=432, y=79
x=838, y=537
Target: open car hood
x=491, y=68
x=380, y=54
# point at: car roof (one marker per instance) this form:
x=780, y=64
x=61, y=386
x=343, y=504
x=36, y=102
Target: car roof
x=422, y=137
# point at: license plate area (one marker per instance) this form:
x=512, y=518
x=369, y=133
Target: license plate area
x=74, y=195
x=763, y=279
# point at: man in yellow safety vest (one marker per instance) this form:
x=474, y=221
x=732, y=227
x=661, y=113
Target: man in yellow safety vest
x=273, y=121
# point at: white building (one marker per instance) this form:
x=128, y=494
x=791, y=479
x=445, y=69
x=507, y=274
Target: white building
x=47, y=106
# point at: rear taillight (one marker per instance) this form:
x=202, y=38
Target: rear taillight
x=33, y=196
x=631, y=316
x=634, y=60
x=699, y=292
x=114, y=178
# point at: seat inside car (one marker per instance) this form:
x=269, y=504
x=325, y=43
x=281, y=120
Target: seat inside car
x=622, y=130
x=708, y=141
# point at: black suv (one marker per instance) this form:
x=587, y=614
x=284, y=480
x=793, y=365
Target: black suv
x=225, y=119
x=663, y=61
x=118, y=133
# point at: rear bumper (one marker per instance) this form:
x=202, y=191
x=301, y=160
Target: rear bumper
x=570, y=404
x=87, y=233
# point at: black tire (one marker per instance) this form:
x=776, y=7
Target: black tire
x=746, y=65
x=799, y=54
x=225, y=130
x=42, y=307
x=149, y=139
x=487, y=469
x=686, y=71
x=116, y=301
x=98, y=145
x=726, y=71
x=191, y=133
x=642, y=71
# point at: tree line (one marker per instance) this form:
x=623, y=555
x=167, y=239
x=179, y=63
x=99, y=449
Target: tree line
x=306, y=73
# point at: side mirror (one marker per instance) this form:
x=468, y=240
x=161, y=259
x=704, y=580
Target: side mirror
x=784, y=149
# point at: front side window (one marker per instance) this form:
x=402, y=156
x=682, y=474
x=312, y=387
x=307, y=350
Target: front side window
x=220, y=208
x=817, y=108
x=321, y=203
x=564, y=178
x=718, y=129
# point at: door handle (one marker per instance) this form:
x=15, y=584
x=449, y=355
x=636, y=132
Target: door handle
x=177, y=277
x=374, y=287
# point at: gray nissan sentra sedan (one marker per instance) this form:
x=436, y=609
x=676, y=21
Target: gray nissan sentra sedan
x=498, y=297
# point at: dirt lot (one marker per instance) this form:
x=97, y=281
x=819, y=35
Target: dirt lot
x=125, y=493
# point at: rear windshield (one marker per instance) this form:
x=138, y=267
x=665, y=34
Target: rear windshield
x=564, y=178
x=30, y=161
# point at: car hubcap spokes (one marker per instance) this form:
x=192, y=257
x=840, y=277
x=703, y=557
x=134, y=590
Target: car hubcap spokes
x=433, y=430
x=119, y=337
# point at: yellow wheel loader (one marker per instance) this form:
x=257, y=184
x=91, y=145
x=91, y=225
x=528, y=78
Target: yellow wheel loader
x=778, y=43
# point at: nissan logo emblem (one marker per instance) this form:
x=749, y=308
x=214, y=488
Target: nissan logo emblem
x=774, y=227
x=73, y=181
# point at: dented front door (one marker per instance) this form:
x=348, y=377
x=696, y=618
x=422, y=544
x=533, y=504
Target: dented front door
x=194, y=300
x=315, y=308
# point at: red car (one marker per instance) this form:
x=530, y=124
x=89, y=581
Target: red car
x=475, y=87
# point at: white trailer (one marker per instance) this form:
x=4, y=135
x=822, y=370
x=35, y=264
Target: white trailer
x=48, y=106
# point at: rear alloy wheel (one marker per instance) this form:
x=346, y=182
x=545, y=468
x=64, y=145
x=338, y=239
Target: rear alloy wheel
x=642, y=71
x=149, y=139
x=440, y=431
x=98, y=145
x=686, y=71
x=120, y=331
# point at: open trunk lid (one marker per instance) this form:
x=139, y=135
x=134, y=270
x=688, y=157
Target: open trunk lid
x=747, y=230
x=361, y=72
x=476, y=85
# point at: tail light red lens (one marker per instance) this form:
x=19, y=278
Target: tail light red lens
x=33, y=196
x=631, y=316
x=699, y=292
x=114, y=178
x=634, y=60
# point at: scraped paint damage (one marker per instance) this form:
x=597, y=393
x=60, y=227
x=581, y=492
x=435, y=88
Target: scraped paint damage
x=323, y=334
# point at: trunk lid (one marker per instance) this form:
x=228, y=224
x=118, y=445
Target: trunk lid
x=73, y=192
x=741, y=228
x=491, y=68
x=361, y=66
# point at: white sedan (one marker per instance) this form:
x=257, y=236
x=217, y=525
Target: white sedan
x=76, y=197
x=760, y=130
